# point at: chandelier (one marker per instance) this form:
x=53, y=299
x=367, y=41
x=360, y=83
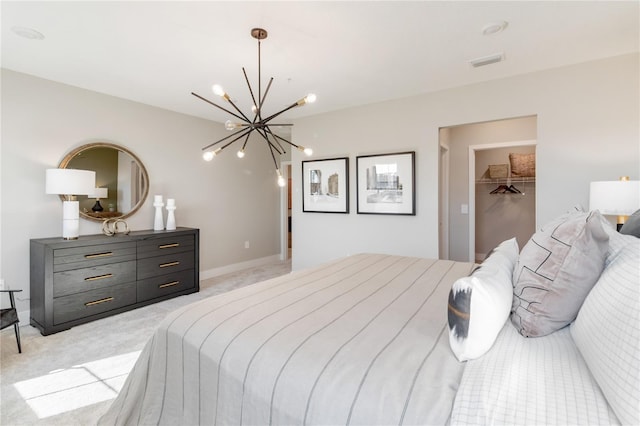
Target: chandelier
x=259, y=124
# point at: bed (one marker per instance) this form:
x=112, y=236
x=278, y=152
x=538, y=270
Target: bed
x=361, y=340
x=367, y=339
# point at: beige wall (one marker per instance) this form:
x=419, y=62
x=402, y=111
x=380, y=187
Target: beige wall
x=230, y=200
x=587, y=129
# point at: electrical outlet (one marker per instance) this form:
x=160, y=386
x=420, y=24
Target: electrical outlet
x=246, y=244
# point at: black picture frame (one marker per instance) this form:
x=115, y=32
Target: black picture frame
x=325, y=185
x=386, y=184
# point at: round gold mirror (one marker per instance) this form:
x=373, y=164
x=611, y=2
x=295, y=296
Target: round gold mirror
x=122, y=183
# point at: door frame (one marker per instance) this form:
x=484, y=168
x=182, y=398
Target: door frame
x=472, y=185
x=443, y=219
x=284, y=211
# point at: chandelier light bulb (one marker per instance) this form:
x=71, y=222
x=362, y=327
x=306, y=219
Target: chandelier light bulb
x=218, y=90
x=254, y=109
x=310, y=98
x=240, y=153
x=230, y=125
x=208, y=155
x=281, y=181
x=307, y=151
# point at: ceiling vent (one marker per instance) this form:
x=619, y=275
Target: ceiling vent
x=486, y=60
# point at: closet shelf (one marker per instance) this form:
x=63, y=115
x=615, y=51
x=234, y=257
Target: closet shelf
x=509, y=180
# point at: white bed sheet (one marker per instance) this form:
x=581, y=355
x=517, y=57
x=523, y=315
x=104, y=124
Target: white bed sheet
x=530, y=381
x=361, y=340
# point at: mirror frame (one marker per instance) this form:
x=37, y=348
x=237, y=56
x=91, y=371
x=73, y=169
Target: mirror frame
x=67, y=159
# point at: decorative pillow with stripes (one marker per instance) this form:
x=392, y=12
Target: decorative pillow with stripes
x=555, y=271
x=479, y=304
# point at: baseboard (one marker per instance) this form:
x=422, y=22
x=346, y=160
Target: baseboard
x=235, y=267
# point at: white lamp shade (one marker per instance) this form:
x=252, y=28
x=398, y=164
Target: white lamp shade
x=617, y=197
x=70, y=181
x=99, y=193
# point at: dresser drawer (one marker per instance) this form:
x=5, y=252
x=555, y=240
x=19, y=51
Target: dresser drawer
x=165, y=245
x=162, y=265
x=85, y=279
x=165, y=284
x=65, y=259
x=81, y=305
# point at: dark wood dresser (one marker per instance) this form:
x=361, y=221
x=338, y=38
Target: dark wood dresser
x=95, y=276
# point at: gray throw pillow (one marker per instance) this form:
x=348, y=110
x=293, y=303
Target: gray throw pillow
x=555, y=272
x=632, y=225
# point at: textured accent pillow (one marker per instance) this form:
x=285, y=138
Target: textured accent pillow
x=479, y=304
x=607, y=329
x=556, y=270
x=632, y=225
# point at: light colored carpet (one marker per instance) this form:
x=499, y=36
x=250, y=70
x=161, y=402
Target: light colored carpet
x=71, y=377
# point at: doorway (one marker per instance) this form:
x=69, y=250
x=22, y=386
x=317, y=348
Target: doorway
x=286, y=225
x=501, y=205
x=457, y=186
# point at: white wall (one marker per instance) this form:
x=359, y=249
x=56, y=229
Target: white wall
x=230, y=200
x=588, y=129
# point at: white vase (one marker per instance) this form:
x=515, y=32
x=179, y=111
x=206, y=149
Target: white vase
x=158, y=222
x=171, y=217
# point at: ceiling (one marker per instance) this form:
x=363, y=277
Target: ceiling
x=348, y=53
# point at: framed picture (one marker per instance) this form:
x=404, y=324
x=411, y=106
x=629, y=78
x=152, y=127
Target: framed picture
x=386, y=184
x=325, y=186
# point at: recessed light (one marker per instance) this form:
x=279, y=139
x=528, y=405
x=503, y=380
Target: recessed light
x=494, y=28
x=29, y=33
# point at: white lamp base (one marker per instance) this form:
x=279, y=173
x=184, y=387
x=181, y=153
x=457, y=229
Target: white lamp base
x=70, y=220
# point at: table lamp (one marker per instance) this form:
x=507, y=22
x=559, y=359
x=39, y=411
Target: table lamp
x=617, y=197
x=97, y=194
x=69, y=183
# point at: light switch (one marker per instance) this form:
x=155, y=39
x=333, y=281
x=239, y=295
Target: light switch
x=464, y=208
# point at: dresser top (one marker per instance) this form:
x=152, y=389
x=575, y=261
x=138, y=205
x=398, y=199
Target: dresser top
x=105, y=239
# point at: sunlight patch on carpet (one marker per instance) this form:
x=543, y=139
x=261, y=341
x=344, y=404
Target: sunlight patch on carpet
x=79, y=386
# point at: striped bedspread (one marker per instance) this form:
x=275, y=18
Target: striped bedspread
x=361, y=340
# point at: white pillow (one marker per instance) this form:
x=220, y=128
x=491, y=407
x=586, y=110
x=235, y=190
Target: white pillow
x=607, y=329
x=480, y=304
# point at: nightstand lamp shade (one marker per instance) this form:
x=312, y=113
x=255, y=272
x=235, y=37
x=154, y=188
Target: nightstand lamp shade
x=618, y=198
x=70, y=182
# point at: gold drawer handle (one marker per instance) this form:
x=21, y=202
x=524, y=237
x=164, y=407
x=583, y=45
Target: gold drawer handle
x=98, y=277
x=171, y=284
x=164, y=265
x=97, y=302
x=163, y=246
x=93, y=256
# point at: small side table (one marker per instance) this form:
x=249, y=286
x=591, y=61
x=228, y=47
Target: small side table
x=9, y=316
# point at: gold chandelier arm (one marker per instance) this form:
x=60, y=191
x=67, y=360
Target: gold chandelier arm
x=271, y=117
x=217, y=106
x=284, y=140
x=268, y=129
x=266, y=138
x=244, y=131
x=237, y=109
x=275, y=163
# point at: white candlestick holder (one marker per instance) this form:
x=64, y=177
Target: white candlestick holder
x=171, y=218
x=158, y=222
